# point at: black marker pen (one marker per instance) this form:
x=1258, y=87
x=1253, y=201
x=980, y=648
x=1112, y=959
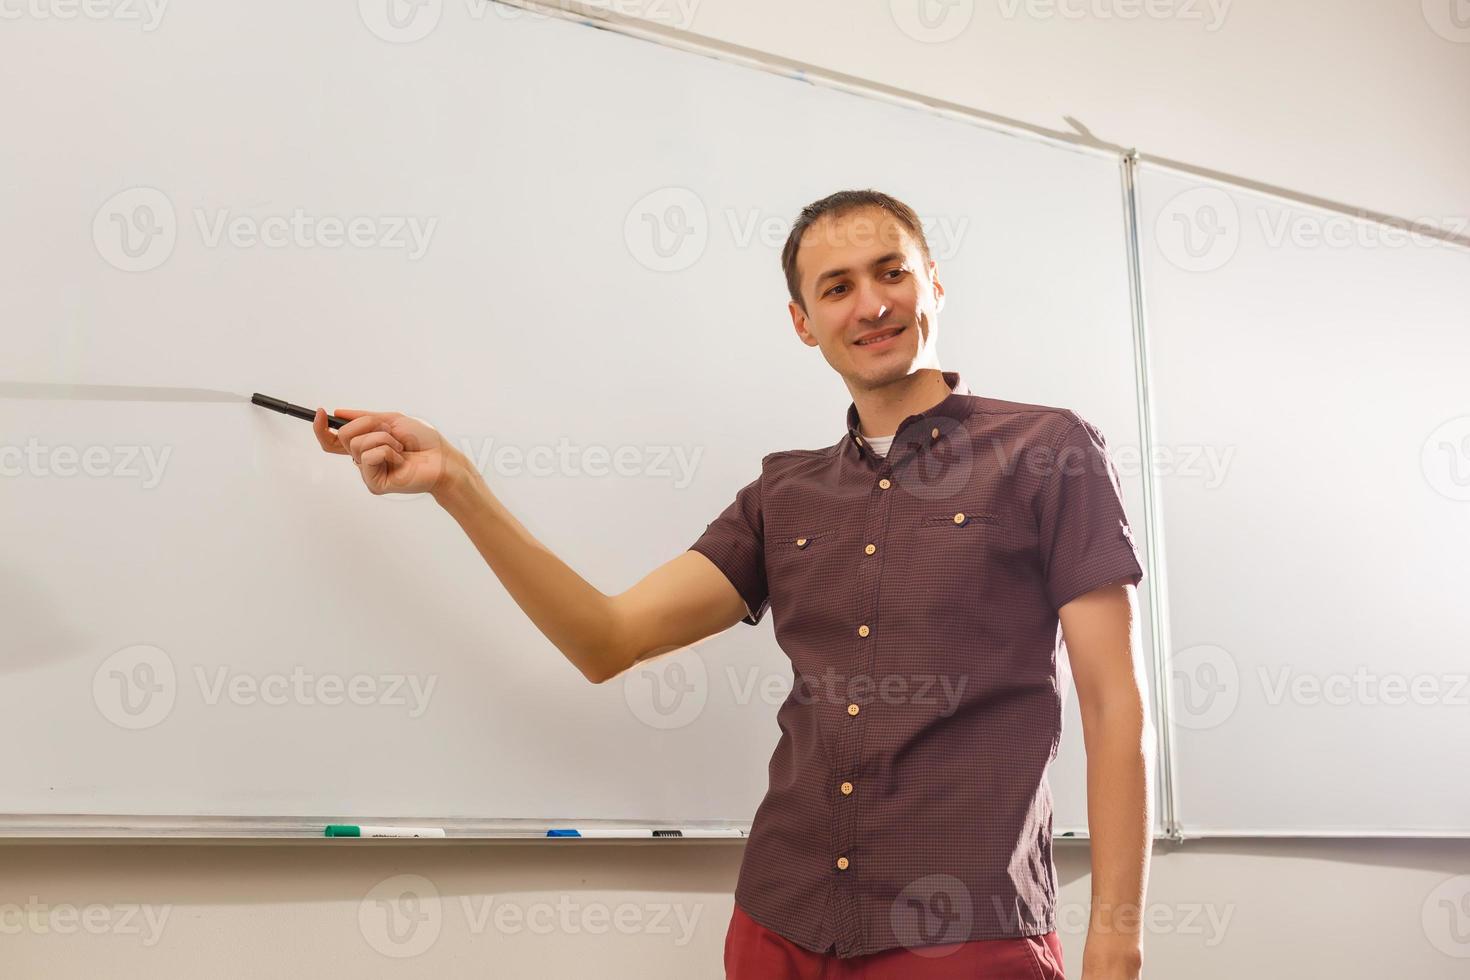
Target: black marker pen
x=286, y=408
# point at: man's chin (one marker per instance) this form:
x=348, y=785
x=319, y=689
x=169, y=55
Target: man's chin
x=892, y=369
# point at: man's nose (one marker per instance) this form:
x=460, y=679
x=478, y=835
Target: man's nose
x=871, y=304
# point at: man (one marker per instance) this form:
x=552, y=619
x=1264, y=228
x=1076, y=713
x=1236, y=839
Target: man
x=921, y=572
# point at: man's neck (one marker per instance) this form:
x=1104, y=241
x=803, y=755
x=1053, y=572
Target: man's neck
x=880, y=410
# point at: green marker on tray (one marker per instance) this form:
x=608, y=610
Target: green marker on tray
x=356, y=830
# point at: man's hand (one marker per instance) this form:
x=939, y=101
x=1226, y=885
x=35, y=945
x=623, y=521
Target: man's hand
x=1112, y=956
x=395, y=453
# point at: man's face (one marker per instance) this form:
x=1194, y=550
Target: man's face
x=863, y=273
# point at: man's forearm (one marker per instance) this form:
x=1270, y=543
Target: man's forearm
x=1120, y=828
x=570, y=611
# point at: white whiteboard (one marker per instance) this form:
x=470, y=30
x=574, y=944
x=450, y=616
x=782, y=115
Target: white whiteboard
x=541, y=313
x=1309, y=384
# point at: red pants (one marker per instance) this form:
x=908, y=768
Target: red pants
x=753, y=952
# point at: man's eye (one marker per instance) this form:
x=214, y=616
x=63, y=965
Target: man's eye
x=834, y=289
x=892, y=272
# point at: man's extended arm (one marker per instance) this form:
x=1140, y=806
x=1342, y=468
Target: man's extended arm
x=1104, y=648
x=680, y=602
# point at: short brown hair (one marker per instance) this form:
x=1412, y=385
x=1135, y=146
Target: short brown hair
x=835, y=206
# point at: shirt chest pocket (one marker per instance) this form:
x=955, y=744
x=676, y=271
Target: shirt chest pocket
x=809, y=570
x=965, y=544
x=819, y=537
x=796, y=552
x=961, y=518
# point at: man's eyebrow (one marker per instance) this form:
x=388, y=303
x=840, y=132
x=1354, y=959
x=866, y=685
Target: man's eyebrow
x=835, y=273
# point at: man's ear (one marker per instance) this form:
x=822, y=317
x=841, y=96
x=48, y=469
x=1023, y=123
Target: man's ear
x=938, y=286
x=798, y=320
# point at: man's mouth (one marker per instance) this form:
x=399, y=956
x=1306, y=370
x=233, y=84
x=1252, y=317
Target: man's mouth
x=880, y=338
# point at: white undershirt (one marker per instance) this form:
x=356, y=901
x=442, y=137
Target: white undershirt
x=879, y=444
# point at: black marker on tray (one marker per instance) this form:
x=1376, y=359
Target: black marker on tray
x=286, y=408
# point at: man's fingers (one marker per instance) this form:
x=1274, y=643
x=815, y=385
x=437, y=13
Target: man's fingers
x=325, y=436
x=360, y=421
x=379, y=455
x=359, y=445
x=371, y=422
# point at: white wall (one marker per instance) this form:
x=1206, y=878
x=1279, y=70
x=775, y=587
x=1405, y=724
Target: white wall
x=1360, y=102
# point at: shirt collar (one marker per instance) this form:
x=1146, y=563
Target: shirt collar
x=956, y=405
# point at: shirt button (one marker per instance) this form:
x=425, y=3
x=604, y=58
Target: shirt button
x=847, y=789
x=863, y=630
x=852, y=709
x=959, y=518
x=934, y=433
x=842, y=864
x=858, y=439
x=801, y=542
x=884, y=484
x=870, y=548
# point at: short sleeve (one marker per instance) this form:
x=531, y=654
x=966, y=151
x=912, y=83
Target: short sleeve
x=735, y=543
x=1085, y=540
